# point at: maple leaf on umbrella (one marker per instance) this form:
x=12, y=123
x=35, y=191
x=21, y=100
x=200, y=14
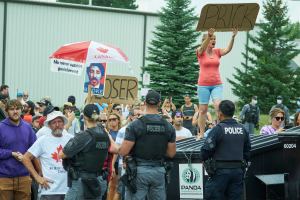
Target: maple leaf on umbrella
x=102, y=50
x=55, y=154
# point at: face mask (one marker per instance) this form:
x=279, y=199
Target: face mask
x=279, y=101
x=254, y=102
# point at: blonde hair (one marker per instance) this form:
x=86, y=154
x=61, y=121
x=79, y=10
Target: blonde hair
x=205, y=36
x=274, y=112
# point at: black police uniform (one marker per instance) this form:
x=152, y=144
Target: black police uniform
x=151, y=134
x=87, y=152
x=228, y=144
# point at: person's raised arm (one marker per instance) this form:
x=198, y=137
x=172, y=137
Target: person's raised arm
x=230, y=45
x=205, y=42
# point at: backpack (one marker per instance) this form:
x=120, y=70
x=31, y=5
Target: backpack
x=251, y=114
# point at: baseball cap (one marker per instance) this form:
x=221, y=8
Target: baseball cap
x=153, y=97
x=178, y=113
x=54, y=115
x=71, y=99
x=279, y=97
x=44, y=101
x=90, y=109
x=50, y=109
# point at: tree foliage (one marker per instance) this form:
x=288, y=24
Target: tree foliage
x=267, y=72
x=172, y=64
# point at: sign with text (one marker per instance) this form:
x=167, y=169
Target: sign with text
x=66, y=66
x=120, y=89
x=224, y=17
x=191, y=181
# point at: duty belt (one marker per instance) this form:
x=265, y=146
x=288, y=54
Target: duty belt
x=88, y=174
x=229, y=164
x=152, y=163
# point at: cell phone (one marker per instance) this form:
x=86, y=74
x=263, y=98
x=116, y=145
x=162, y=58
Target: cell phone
x=170, y=98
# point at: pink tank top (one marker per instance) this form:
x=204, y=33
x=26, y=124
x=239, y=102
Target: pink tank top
x=209, y=73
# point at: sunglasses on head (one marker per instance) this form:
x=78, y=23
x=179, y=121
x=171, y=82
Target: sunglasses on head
x=279, y=118
x=112, y=119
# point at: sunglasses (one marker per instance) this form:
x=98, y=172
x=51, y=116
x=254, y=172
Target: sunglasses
x=279, y=118
x=112, y=119
x=102, y=120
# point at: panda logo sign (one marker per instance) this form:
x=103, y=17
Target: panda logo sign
x=191, y=181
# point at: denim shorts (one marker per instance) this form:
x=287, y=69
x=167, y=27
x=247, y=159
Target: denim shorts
x=204, y=93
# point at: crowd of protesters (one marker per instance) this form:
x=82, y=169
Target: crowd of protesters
x=33, y=155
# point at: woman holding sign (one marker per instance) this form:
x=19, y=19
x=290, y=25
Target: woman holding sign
x=209, y=81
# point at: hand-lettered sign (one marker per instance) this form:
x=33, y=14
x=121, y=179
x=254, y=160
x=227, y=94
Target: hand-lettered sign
x=224, y=17
x=118, y=89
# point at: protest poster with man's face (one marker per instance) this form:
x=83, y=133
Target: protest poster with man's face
x=95, y=76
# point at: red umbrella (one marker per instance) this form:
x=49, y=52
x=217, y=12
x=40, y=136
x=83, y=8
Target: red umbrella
x=71, y=58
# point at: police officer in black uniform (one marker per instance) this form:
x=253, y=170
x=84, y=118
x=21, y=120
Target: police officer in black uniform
x=148, y=140
x=226, y=151
x=84, y=156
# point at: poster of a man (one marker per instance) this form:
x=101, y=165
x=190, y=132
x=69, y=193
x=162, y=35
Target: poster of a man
x=95, y=76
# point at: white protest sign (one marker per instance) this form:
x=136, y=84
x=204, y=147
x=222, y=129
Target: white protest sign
x=191, y=181
x=66, y=66
x=146, y=78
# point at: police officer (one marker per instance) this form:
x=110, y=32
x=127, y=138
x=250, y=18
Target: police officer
x=250, y=115
x=226, y=150
x=85, y=155
x=148, y=140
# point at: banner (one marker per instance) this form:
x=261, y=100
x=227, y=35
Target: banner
x=66, y=66
x=120, y=90
x=224, y=17
x=95, y=76
x=191, y=181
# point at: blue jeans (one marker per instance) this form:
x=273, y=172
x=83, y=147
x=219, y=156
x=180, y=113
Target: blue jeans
x=76, y=191
x=225, y=184
x=249, y=127
x=150, y=182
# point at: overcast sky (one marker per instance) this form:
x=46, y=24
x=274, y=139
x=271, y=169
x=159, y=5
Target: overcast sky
x=155, y=5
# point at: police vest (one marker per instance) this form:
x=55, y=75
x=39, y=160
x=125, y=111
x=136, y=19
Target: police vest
x=152, y=142
x=251, y=114
x=91, y=158
x=231, y=146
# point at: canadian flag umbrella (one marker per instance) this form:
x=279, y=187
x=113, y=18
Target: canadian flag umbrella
x=71, y=58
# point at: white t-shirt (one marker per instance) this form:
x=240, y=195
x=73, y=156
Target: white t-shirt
x=119, y=140
x=183, y=132
x=47, y=148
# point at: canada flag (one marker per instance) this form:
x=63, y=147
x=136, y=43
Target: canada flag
x=102, y=50
x=56, y=153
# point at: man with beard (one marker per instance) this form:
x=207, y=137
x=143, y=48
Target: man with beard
x=181, y=132
x=16, y=137
x=96, y=73
x=53, y=181
x=28, y=111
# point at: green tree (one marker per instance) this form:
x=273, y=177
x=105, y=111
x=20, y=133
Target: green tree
x=172, y=61
x=266, y=72
x=128, y=4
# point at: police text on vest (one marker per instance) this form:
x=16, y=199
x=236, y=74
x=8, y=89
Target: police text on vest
x=234, y=130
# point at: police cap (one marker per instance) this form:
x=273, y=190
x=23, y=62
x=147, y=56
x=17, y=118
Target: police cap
x=91, y=109
x=153, y=97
